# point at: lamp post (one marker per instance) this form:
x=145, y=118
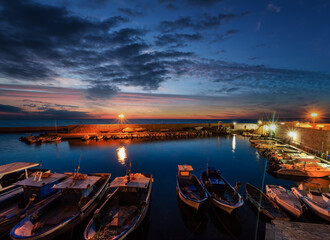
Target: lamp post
x=121, y=117
x=314, y=115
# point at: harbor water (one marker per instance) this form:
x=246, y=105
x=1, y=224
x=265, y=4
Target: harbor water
x=168, y=217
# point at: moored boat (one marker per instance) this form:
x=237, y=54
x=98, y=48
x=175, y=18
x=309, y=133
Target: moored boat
x=189, y=188
x=85, y=138
x=315, y=200
x=263, y=203
x=79, y=195
x=220, y=192
x=14, y=172
x=31, y=193
x=285, y=198
x=124, y=209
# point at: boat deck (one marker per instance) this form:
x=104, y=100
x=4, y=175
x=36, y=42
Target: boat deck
x=284, y=230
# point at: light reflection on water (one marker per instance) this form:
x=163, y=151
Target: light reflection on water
x=121, y=153
x=234, y=143
x=237, y=160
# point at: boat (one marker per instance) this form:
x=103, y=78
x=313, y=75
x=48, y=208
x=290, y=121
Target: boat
x=85, y=138
x=14, y=172
x=99, y=137
x=264, y=204
x=315, y=200
x=308, y=169
x=78, y=198
x=189, y=188
x=220, y=192
x=123, y=210
x=285, y=199
x=31, y=193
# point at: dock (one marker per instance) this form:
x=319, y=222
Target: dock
x=284, y=230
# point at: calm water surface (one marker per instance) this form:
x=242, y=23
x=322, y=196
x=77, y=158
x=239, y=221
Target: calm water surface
x=168, y=217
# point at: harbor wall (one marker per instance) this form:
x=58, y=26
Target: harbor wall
x=314, y=139
x=99, y=128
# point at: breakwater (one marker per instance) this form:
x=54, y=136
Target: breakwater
x=112, y=128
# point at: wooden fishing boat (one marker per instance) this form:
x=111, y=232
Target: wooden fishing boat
x=17, y=171
x=124, y=209
x=286, y=199
x=189, y=188
x=79, y=195
x=315, y=200
x=220, y=192
x=263, y=203
x=32, y=193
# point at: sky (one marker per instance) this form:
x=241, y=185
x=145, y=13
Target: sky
x=203, y=59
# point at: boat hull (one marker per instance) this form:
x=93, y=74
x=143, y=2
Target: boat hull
x=312, y=206
x=69, y=223
x=282, y=203
x=225, y=207
x=194, y=204
x=137, y=222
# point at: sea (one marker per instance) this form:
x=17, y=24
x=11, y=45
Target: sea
x=168, y=217
x=66, y=122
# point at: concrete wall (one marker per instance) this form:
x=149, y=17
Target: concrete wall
x=312, y=138
x=245, y=126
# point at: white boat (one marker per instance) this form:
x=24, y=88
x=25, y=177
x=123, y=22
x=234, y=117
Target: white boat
x=285, y=198
x=124, y=209
x=189, y=188
x=307, y=169
x=220, y=192
x=315, y=200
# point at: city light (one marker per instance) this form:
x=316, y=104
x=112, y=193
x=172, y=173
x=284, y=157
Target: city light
x=266, y=128
x=292, y=135
x=121, y=116
x=259, y=122
x=272, y=127
x=313, y=115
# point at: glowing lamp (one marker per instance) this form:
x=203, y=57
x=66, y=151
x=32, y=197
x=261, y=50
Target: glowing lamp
x=259, y=122
x=121, y=116
x=272, y=127
x=313, y=115
x=293, y=135
x=266, y=128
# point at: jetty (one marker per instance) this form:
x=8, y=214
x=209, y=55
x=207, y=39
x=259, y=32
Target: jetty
x=284, y=230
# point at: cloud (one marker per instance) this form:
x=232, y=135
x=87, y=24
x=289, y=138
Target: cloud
x=177, y=40
x=130, y=12
x=192, y=3
x=273, y=7
x=199, y=23
x=10, y=109
x=203, y=3
x=12, y=112
x=225, y=36
x=102, y=91
x=42, y=43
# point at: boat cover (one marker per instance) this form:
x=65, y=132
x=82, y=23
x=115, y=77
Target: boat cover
x=79, y=183
x=15, y=167
x=185, y=168
x=136, y=180
x=33, y=181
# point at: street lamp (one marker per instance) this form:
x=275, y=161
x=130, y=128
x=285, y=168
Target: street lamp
x=259, y=122
x=313, y=115
x=121, y=117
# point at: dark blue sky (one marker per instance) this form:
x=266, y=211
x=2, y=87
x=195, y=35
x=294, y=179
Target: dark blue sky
x=185, y=58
